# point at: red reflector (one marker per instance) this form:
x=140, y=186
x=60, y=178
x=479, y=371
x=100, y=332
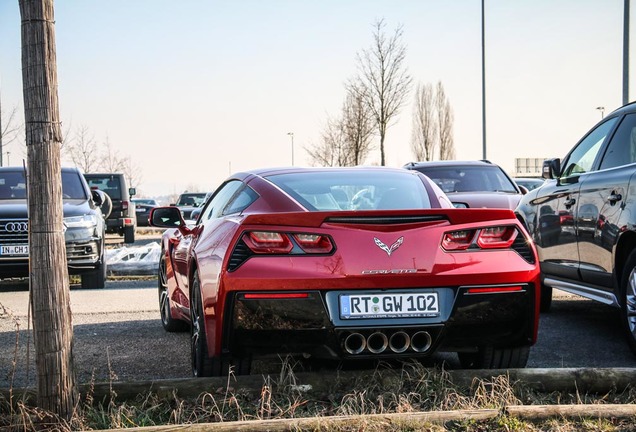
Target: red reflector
x=272, y=296
x=494, y=289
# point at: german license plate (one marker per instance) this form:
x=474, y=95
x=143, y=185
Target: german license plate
x=397, y=305
x=14, y=250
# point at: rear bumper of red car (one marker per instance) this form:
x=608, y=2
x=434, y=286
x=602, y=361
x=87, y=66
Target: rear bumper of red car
x=470, y=317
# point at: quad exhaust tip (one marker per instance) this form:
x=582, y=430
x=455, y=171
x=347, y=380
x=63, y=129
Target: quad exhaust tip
x=399, y=342
x=377, y=342
x=355, y=343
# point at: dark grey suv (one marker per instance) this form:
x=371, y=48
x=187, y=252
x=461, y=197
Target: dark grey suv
x=122, y=219
x=83, y=225
x=583, y=218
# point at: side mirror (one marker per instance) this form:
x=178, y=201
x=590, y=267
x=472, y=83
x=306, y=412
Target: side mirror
x=195, y=213
x=524, y=190
x=132, y=191
x=166, y=217
x=551, y=168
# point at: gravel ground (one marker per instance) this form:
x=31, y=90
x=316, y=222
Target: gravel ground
x=123, y=346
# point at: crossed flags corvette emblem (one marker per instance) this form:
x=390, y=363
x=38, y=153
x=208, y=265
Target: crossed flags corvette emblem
x=389, y=249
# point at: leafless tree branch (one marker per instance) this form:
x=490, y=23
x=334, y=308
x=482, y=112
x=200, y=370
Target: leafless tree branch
x=424, y=133
x=82, y=149
x=384, y=78
x=445, y=124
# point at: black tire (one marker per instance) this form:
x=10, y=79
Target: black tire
x=546, y=298
x=129, y=234
x=202, y=364
x=628, y=300
x=169, y=324
x=96, y=278
x=495, y=358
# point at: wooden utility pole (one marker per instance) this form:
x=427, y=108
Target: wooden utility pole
x=48, y=274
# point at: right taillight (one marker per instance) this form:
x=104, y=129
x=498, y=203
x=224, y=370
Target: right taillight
x=458, y=240
x=497, y=237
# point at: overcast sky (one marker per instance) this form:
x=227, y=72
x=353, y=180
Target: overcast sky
x=192, y=90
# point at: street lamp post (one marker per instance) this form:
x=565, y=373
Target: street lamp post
x=291, y=134
x=602, y=110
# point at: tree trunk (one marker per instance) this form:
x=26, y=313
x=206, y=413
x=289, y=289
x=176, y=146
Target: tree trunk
x=48, y=273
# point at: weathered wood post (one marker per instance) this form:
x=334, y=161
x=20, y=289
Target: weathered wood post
x=48, y=274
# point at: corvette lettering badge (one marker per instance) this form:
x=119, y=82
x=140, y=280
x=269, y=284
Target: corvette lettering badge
x=387, y=249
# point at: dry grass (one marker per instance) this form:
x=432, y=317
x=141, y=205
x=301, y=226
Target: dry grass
x=409, y=389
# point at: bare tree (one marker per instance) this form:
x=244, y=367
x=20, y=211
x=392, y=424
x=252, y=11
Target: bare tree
x=48, y=274
x=331, y=150
x=82, y=149
x=424, y=135
x=358, y=127
x=111, y=161
x=9, y=130
x=445, y=124
x=384, y=78
x=346, y=140
x=132, y=171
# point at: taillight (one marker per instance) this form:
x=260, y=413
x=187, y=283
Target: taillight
x=124, y=205
x=499, y=237
x=274, y=242
x=267, y=242
x=458, y=240
x=496, y=237
x=314, y=243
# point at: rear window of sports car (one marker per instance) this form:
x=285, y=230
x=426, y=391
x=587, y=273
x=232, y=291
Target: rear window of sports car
x=354, y=190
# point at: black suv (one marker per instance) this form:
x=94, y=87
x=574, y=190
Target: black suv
x=583, y=218
x=122, y=219
x=83, y=223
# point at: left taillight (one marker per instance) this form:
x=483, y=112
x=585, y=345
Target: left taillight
x=497, y=237
x=267, y=242
x=276, y=243
x=260, y=243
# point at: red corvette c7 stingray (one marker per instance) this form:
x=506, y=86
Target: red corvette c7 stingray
x=346, y=263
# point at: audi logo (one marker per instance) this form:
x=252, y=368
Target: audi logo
x=16, y=227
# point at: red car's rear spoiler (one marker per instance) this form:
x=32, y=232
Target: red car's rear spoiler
x=316, y=219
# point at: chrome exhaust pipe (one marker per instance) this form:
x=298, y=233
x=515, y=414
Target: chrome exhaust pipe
x=355, y=343
x=377, y=342
x=421, y=341
x=399, y=342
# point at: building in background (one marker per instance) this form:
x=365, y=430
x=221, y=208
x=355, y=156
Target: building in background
x=528, y=167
